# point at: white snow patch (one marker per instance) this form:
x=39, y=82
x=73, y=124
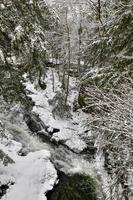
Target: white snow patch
x=19, y=31
x=33, y=175
x=2, y=6
x=42, y=107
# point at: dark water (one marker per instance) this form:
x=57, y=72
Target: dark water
x=74, y=187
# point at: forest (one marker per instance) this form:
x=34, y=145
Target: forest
x=66, y=99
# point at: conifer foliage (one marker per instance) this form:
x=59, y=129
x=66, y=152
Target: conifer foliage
x=109, y=54
x=22, y=43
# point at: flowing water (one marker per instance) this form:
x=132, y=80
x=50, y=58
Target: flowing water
x=37, y=162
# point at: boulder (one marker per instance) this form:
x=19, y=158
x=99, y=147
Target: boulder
x=33, y=121
x=37, y=126
x=4, y=188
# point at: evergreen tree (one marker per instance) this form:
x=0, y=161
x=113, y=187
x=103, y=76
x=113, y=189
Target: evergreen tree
x=109, y=54
x=22, y=44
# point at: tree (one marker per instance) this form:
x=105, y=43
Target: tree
x=22, y=44
x=111, y=121
x=112, y=49
x=106, y=89
x=69, y=55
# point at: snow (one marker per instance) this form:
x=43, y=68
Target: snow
x=33, y=175
x=19, y=31
x=54, y=61
x=31, y=2
x=2, y=6
x=11, y=59
x=71, y=139
x=68, y=133
x=71, y=131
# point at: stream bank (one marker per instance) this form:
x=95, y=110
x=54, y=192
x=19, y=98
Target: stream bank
x=48, y=152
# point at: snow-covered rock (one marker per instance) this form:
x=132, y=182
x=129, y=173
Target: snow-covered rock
x=32, y=175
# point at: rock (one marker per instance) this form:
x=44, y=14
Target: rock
x=30, y=101
x=23, y=152
x=5, y=158
x=34, y=123
x=37, y=126
x=4, y=188
x=42, y=84
x=52, y=130
x=90, y=151
x=44, y=136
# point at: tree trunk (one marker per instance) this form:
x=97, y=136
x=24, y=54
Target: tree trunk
x=53, y=80
x=69, y=56
x=79, y=50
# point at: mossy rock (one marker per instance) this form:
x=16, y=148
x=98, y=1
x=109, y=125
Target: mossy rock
x=76, y=187
x=81, y=101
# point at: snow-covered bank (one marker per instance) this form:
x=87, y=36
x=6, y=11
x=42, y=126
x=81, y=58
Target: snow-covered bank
x=29, y=176
x=72, y=130
x=32, y=175
x=35, y=173
x=70, y=127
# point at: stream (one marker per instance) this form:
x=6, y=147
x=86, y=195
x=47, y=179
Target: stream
x=52, y=161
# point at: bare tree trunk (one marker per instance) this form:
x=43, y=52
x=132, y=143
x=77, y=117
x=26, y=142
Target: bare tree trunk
x=63, y=78
x=59, y=74
x=57, y=64
x=68, y=77
x=53, y=73
x=99, y=10
x=79, y=50
x=53, y=80
x=69, y=57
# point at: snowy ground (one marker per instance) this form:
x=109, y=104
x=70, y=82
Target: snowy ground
x=33, y=175
x=68, y=131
